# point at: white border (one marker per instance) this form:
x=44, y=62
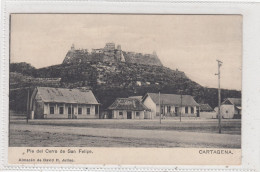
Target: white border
x=250, y=85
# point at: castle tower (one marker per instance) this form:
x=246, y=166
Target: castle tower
x=118, y=47
x=110, y=46
x=119, y=54
x=72, y=47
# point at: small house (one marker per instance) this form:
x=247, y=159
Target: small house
x=231, y=108
x=205, y=108
x=48, y=102
x=206, y=111
x=127, y=108
x=171, y=104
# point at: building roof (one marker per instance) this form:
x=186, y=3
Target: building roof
x=233, y=101
x=172, y=99
x=205, y=107
x=63, y=95
x=127, y=104
x=136, y=97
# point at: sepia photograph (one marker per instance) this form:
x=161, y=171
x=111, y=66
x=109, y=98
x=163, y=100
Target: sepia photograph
x=125, y=81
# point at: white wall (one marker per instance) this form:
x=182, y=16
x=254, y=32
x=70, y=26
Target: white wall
x=208, y=115
x=148, y=102
x=65, y=111
x=115, y=114
x=227, y=111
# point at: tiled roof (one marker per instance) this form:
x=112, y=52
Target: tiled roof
x=173, y=99
x=63, y=95
x=205, y=107
x=127, y=104
x=234, y=101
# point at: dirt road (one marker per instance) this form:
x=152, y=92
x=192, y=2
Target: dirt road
x=187, y=139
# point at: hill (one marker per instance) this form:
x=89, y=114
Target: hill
x=108, y=81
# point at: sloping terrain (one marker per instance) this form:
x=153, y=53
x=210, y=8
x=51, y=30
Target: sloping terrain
x=109, y=81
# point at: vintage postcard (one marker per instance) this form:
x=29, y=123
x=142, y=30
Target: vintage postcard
x=125, y=89
x=124, y=83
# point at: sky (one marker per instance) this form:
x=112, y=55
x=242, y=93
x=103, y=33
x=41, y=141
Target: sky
x=189, y=43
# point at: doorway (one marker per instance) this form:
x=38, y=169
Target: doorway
x=70, y=112
x=198, y=113
x=129, y=115
x=176, y=111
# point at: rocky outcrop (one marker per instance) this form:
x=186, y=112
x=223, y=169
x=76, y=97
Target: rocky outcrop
x=110, y=53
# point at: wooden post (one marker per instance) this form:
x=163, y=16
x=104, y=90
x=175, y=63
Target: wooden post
x=28, y=105
x=160, y=107
x=163, y=107
x=181, y=107
x=219, y=96
x=98, y=112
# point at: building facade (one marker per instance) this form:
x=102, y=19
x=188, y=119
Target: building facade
x=127, y=108
x=231, y=108
x=47, y=102
x=171, y=105
x=206, y=111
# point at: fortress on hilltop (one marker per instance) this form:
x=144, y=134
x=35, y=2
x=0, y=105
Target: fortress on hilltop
x=110, y=53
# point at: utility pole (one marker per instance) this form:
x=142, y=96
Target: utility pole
x=28, y=106
x=219, y=97
x=181, y=101
x=181, y=106
x=163, y=109
x=160, y=107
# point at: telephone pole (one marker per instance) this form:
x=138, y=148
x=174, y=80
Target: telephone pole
x=219, y=97
x=181, y=100
x=160, y=107
x=28, y=105
x=181, y=106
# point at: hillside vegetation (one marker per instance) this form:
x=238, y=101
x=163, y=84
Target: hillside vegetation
x=108, y=81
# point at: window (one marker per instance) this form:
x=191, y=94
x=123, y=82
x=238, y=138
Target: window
x=69, y=110
x=137, y=114
x=169, y=109
x=88, y=111
x=226, y=111
x=192, y=109
x=61, y=110
x=79, y=110
x=51, y=110
x=120, y=113
x=186, y=109
x=96, y=109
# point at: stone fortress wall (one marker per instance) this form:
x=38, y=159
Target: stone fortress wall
x=110, y=53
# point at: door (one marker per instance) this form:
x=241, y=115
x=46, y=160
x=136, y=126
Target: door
x=129, y=115
x=198, y=113
x=176, y=111
x=70, y=112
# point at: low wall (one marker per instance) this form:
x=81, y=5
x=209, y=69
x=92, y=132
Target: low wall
x=208, y=114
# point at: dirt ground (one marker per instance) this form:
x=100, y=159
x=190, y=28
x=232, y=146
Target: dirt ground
x=124, y=133
x=45, y=139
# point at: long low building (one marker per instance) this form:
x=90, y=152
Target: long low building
x=48, y=102
x=127, y=108
x=171, y=104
